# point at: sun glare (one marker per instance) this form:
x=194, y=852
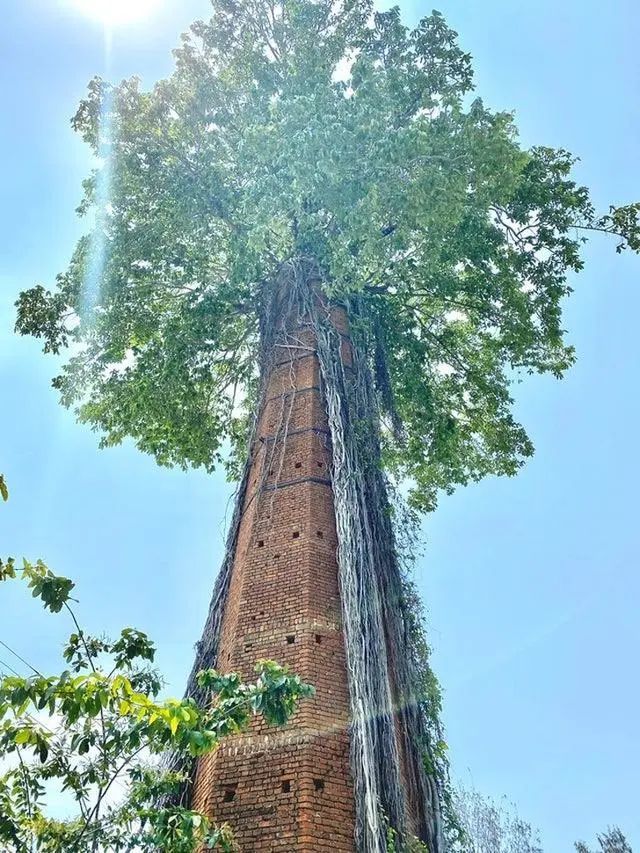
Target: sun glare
x=113, y=13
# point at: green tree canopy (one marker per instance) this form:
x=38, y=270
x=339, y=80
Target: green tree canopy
x=309, y=128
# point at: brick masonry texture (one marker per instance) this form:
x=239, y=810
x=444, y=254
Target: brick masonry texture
x=287, y=789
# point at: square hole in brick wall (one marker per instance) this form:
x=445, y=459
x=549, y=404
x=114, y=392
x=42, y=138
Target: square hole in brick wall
x=295, y=534
x=260, y=543
x=319, y=534
x=285, y=786
x=298, y=465
x=318, y=638
x=320, y=464
x=291, y=638
x=229, y=792
x=318, y=784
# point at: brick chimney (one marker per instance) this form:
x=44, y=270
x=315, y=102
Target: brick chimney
x=287, y=789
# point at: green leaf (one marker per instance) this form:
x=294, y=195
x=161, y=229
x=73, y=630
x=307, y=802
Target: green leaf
x=23, y=736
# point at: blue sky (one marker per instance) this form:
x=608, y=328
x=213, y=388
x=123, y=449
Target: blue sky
x=531, y=583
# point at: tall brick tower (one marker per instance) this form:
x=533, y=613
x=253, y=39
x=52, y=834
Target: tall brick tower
x=287, y=789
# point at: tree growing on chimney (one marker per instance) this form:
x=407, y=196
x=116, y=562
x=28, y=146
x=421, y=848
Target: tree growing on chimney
x=310, y=245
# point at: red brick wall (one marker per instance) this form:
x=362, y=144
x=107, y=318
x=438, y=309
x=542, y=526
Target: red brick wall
x=287, y=789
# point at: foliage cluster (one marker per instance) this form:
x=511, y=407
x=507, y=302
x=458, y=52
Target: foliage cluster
x=490, y=827
x=495, y=827
x=611, y=841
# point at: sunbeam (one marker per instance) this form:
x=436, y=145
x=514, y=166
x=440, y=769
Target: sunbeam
x=99, y=240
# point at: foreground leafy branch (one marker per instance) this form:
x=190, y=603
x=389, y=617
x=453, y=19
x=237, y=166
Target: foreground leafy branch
x=95, y=732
